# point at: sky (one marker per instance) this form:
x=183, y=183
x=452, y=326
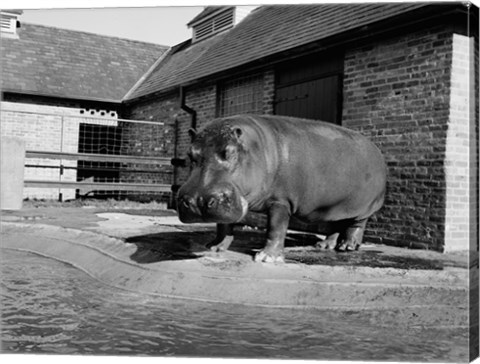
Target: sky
x=166, y=25
x=155, y=21
x=160, y=25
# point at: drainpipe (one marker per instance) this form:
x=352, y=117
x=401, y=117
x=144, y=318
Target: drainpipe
x=175, y=162
x=181, y=162
x=188, y=109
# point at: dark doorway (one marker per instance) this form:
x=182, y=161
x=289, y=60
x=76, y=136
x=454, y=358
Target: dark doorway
x=311, y=87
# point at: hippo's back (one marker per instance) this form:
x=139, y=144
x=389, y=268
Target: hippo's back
x=328, y=172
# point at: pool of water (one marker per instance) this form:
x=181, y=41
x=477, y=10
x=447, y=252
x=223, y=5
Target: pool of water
x=51, y=307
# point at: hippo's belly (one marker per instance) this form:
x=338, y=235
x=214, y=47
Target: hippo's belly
x=328, y=174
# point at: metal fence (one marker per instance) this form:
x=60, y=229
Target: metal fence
x=71, y=156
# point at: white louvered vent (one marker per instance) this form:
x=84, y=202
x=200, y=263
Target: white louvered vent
x=8, y=21
x=221, y=21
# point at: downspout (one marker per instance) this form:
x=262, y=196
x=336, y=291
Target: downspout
x=181, y=162
x=174, y=162
x=188, y=109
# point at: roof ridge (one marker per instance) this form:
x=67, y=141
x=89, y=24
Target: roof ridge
x=147, y=73
x=171, y=53
x=95, y=34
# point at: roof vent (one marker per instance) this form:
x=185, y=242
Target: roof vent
x=215, y=19
x=9, y=22
x=215, y=22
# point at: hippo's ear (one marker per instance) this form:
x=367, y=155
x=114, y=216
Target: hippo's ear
x=238, y=132
x=193, y=133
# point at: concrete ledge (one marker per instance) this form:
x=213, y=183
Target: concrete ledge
x=12, y=161
x=414, y=297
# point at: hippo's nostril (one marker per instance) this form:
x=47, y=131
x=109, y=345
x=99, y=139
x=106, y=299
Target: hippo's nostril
x=212, y=202
x=188, y=202
x=227, y=197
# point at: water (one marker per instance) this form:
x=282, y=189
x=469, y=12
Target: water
x=50, y=307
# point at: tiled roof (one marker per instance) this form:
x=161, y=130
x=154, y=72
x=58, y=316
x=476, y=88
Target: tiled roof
x=265, y=32
x=65, y=63
x=175, y=66
x=13, y=11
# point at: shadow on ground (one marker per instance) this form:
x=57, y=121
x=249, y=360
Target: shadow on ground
x=299, y=248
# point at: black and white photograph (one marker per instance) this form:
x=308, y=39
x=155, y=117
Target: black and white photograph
x=287, y=181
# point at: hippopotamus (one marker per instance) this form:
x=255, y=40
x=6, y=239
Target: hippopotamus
x=285, y=167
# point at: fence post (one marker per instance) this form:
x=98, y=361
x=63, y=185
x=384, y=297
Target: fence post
x=60, y=172
x=12, y=173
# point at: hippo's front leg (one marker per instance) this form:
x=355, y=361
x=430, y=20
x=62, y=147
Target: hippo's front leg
x=223, y=239
x=278, y=218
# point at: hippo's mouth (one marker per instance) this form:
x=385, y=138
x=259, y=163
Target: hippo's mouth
x=224, y=211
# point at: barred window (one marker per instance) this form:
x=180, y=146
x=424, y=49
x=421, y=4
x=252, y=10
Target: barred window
x=241, y=96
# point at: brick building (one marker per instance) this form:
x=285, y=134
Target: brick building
x=403, y=74
x=51, y=79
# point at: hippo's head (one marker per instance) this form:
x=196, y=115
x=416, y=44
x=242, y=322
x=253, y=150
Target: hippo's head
x=213, y=191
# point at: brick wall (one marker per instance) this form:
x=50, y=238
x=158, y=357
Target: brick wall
x=474, y=157
x=166, y=108
x=150, y=140
x=460, y=161
x=396, y=92
x=203, y=100
x=268, y=91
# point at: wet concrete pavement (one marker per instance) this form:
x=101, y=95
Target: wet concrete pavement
x=146, y=228
x=151, y=251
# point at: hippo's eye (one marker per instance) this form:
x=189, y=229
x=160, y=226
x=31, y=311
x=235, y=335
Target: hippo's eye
x=228, y=154
x=223, y=155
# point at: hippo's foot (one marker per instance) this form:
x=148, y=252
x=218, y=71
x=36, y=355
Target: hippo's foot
x=221, y=246
x=353, y=237
x=329, y=243
x=347, y=245
x=269, y=257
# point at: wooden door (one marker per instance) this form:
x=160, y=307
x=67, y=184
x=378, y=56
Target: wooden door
x=310, y=88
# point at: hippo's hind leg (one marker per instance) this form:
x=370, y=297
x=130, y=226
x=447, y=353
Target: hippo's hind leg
x=223, y=239
x=330, y=242
x=352, y=235
x=332, y=230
